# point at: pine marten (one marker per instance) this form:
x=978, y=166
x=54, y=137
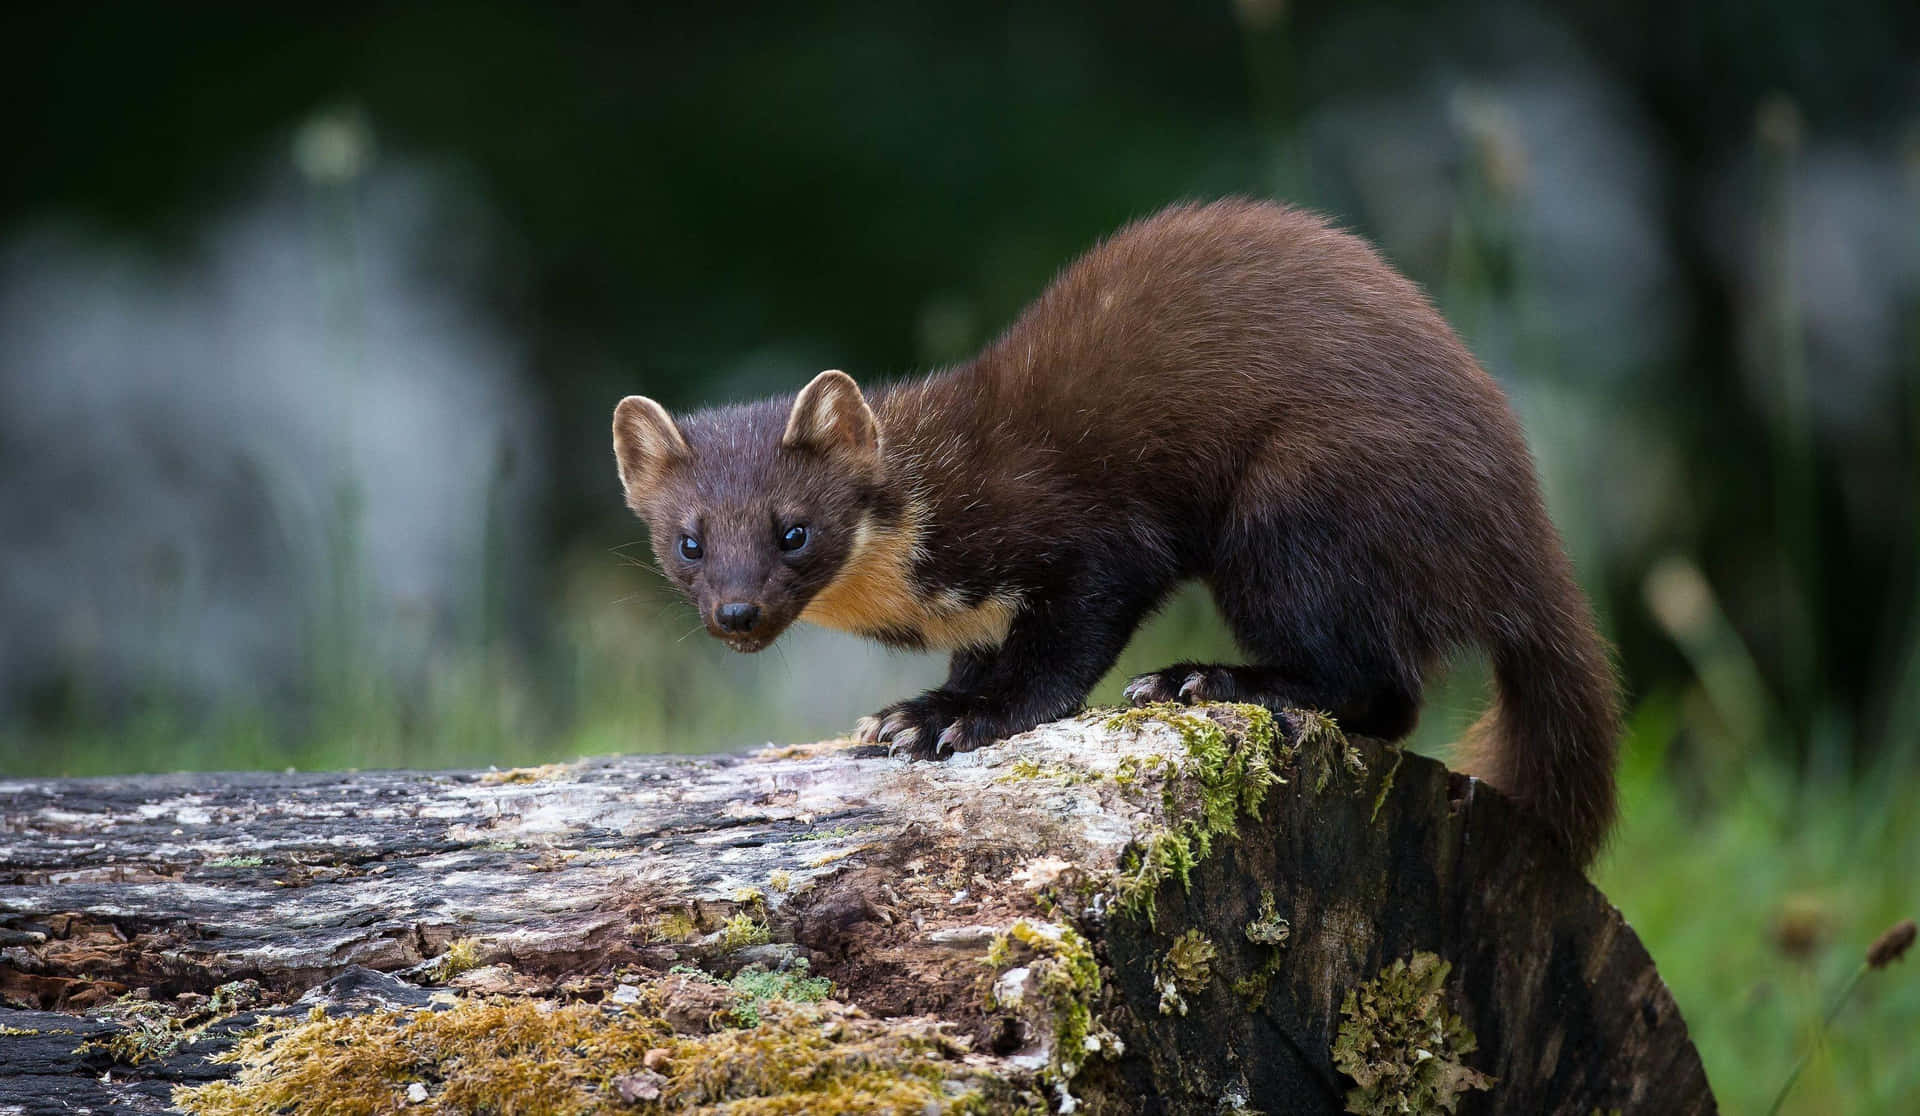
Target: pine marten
x=1235, y=392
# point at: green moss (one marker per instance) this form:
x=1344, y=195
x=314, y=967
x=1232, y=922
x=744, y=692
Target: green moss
x=1161, y=856
x=1025, y=768
x=672, y=926
x=754, y=987
x=461, y=955
x=780, y=881
x=1322, y=750
x=1067, y=977
x=1252, y=988
x=1386, y=786
x=1186, y=970
x=503, y=1055
x=1133, y=768
x=1402, y=1045
x=1224, y=776
x=741, y=931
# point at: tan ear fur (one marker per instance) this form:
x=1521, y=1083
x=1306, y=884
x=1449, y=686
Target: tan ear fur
x=645, y=442
x=831, y=416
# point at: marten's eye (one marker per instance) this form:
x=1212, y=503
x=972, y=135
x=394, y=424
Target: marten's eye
x=690, y=548
x=795, y=537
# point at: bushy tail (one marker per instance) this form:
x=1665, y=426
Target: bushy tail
x=1551, y=736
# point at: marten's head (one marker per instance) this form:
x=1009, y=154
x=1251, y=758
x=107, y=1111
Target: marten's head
x=755, y=508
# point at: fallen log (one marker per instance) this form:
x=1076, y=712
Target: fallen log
x=1166, y=910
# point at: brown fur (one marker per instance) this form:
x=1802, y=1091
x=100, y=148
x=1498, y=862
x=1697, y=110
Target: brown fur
x=1234, y=392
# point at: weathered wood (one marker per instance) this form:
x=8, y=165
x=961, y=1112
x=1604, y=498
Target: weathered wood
x=906, y=884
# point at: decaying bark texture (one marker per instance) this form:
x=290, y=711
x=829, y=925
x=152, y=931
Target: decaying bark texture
x=1169, y=910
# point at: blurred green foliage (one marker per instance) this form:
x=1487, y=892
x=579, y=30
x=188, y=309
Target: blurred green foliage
x=710, y=203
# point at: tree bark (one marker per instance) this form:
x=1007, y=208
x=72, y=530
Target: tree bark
x=1174, y=911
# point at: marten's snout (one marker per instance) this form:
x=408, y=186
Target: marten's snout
x=737, y=617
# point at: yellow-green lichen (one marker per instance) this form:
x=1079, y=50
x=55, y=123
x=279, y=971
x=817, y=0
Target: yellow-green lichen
x=780, y=881
x=1186, y=970
x=461, y=955
x=1402, y=1045
x=1223, y=777
x=505, y=1055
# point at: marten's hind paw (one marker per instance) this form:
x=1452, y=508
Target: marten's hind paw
x=1187, y=684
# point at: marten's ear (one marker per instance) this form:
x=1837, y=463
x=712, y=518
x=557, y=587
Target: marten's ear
x=646, y=443
x=831, y=416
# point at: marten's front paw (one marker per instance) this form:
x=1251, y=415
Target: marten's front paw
x=1186, y=683
x=930, y=726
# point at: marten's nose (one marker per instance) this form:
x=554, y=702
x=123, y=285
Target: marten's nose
x=737, y=616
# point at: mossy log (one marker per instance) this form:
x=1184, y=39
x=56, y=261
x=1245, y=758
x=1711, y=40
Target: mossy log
x=1170, y=910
